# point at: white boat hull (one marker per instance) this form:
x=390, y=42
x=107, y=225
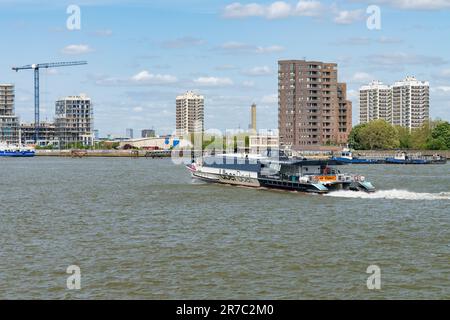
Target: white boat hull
x=233, y=177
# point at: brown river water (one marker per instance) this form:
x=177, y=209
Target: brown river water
x=143, y=229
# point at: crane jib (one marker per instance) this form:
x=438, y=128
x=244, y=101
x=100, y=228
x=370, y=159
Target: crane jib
x=36, y=68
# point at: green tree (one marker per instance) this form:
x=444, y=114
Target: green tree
x=404, y=137
x=378, y=135
x=440, y=136
x=354, y=139
x=420, y=137
x=436, y=144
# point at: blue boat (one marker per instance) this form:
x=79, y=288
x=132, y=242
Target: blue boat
x=403, y=158
x=346, y=157
x=15, y=151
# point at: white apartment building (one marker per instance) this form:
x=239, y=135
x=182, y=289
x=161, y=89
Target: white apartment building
x=74, y=120
x=375, y=102
x=406, y=103
x=189, y=113
x=410, y=103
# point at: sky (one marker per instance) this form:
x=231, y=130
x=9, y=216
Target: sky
x=142, y=54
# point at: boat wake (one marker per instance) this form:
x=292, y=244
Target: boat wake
x=391, y=194
x=197, y=181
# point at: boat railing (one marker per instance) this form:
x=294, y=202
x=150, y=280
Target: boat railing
x=310, y=178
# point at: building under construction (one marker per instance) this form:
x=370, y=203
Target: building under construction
x=74, y=121
x=9, y=122
x=47, y=134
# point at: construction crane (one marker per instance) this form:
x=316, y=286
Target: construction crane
x=36, y=68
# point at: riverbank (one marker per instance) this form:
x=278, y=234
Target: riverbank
x=380, y=154
x=104, y=153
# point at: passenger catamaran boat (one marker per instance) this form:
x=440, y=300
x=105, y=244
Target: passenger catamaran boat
x=314, y=176
x=9, y=150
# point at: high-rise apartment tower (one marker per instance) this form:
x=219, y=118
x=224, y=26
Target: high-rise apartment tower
x=313, y=109
x=406, y=103
x=189, y=113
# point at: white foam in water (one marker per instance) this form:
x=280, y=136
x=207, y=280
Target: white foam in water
x=197, y=181
x=391, y=194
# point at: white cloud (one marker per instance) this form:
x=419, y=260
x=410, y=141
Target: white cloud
x=283, y=9
x=401, y=58
x=361, y=41
x=269, y=49
x=352, y=94
x=274, y=10
x=445, y=73
x=238, y=10
x=226, y=67
x=348, y=16
x=213, y=82
x=258, y=71
x=103, y=33
x=279, y=9
x=75, y=49
x=138, y=109
x=309, y=8
x=442, y=89
x=52, y=72
x=143, y=78
x=183, y=42
x=147, y=77
x=270, y=99
x=248, y=84
x=362, y=77
x=234, y=46
x=239, y=47
x=417, y=4
x=441, y=77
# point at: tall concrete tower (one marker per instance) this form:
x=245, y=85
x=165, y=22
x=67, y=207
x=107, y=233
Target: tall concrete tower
x=253, y=117
x=189, y=113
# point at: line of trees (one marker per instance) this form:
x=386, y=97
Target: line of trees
x=381, y=135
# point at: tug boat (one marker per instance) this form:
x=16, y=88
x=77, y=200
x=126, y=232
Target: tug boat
x=9, y=150
x=346, y=157
x=303, y=175
x=403, y=158
x=436, y=159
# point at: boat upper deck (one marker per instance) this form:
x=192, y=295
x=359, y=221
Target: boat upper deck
x=255, y=163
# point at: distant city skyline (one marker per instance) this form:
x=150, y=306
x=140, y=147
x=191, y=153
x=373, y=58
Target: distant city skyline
x=143, y=54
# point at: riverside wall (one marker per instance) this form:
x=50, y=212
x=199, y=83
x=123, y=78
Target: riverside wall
x=101, y=153
x=143, y=153
x=390, y=153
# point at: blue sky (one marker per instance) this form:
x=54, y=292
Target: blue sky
x=142, y=54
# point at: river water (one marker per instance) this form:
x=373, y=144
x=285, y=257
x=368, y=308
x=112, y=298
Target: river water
x=143, y=229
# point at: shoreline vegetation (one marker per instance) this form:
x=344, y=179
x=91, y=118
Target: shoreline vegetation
x=381, y=135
